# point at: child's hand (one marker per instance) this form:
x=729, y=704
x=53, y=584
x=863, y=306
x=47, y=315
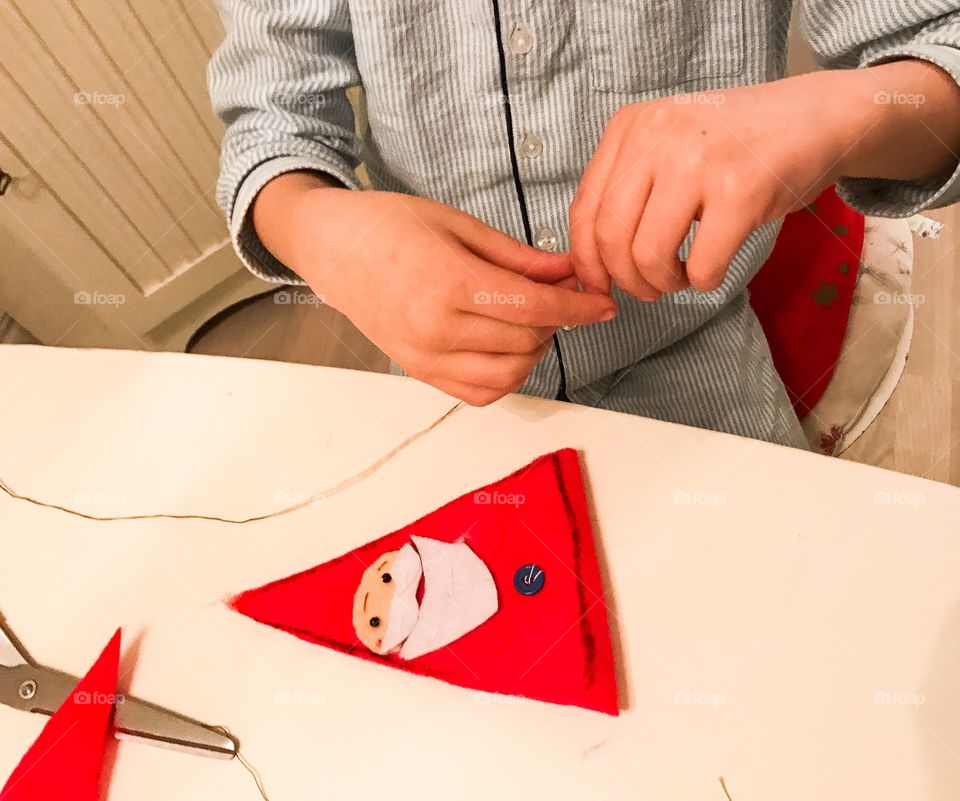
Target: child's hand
x=457, y=304
x=732, y=159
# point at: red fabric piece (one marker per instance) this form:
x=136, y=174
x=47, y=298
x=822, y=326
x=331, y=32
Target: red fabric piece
x=803, y=295
x=65, y=761
x=552, y=646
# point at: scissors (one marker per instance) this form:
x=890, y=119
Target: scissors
x=30, y=687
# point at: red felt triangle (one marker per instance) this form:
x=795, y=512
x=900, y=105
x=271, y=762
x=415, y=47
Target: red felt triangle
x=65, y=761
x=552, y=646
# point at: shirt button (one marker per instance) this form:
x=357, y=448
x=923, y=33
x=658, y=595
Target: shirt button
x=521, y=41
x=531, y=146
x=546, y=239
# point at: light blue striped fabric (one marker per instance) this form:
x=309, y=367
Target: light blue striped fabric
x=432, y=71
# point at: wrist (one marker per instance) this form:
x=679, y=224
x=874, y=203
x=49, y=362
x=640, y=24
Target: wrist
x=292, y=213
x=847, y=115
x=898, y=120
x=858, y=117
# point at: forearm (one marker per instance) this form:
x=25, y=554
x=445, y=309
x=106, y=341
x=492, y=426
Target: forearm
x=898, y=121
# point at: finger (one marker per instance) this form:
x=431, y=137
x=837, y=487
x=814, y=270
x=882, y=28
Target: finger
x=504, y=251
x=503, y=372
x=504, y=296
x=468, y=393
x=542, y=305
x=718, y=238
x=428, y=369
x=585, y=252
x=570, y=282
x=665, y=224
x=618, y=218
x=633, y=283
x=484, y=334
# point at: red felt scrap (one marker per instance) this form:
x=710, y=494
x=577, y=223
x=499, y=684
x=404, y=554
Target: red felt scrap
x=551, y=646
x=66, y=760
x=804, y=292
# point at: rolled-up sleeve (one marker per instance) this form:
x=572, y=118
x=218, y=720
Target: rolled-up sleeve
x=279, y=82
x=864, y=33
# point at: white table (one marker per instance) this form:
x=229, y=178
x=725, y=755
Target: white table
x=787, y=621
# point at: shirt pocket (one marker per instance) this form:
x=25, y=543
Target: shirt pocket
x=639, y=46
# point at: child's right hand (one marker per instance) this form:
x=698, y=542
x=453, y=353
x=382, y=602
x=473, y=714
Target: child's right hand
x=454, y=302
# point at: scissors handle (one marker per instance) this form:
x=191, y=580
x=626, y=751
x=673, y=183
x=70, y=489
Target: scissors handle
x=38, y=689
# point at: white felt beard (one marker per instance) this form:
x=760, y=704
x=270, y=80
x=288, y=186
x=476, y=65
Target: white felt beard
x=458, y=595
x=405, y=573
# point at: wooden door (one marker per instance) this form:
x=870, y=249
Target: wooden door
x=109, y=230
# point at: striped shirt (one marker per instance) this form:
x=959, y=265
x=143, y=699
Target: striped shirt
x=495, y=107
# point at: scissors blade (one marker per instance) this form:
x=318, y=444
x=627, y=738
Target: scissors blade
x=38, y=689
x=11, y=654
x=139, y=720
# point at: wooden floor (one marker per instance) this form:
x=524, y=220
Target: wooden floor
x=918, y=431
x=303, y=331
x=13, y=334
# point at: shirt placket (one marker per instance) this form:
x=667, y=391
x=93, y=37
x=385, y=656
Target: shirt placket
x=523, y=58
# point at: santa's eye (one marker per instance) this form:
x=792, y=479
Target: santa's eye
x=374, y=622
x=386, y=578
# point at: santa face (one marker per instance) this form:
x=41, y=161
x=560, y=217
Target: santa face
x=385, y=605
x=458, y=595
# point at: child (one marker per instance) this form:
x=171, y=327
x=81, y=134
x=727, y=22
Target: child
x=570, y=198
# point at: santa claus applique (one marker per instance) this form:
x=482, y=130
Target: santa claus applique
x=498, y=590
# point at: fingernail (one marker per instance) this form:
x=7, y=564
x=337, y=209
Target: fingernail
x=609, y=315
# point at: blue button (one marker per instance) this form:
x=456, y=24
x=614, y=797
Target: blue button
x=529, y=579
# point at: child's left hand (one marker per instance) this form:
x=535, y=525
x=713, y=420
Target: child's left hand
x=733, y=160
